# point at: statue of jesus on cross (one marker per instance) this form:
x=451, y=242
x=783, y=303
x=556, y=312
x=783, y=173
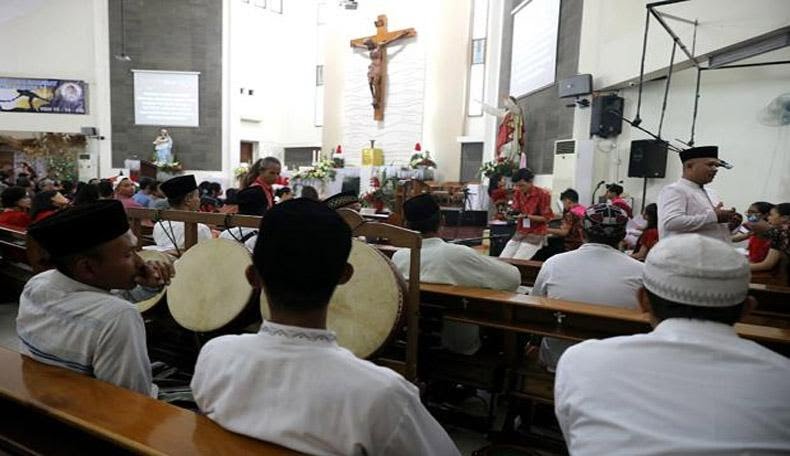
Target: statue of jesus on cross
x=377, y=70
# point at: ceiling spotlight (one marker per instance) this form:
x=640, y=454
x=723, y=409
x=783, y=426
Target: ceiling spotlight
x=123, y=57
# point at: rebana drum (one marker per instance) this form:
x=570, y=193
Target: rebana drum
x=366, y=312
x=210, y=291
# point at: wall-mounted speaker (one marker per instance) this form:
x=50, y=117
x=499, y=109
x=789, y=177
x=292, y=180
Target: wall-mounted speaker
x=605, y=118
x=648, y=158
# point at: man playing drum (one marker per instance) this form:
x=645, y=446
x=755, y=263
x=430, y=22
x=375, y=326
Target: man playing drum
x=252, y=201
x=68, y=316
x=182, y=194
x=291, y=383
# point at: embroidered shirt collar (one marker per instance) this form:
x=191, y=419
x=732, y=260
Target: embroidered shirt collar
x=297, y=333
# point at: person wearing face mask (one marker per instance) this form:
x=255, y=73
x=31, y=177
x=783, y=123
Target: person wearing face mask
x=686, y=206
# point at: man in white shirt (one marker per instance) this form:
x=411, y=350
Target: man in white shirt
x=69, y=318
x=251, y=201
x=182, y=195
x=595, y=273
x=691, y=386
x=290, y=383
x=452, y=264
x=686, y=206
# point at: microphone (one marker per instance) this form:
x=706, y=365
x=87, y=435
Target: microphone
x=725, y=165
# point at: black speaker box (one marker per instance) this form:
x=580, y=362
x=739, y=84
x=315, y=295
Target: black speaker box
x=604, y=122
x=648, y=158
x=470, y=217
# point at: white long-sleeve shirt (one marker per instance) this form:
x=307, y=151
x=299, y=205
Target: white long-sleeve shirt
x=689, y=387
x=165, y=232
x=297, y=388
x=685, y=207
x=594, y=274
x=453, y=264
x=240, y=233
x=89, y=330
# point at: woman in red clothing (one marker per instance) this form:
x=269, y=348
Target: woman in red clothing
x=46, y=204
x=533, y=205
x=649, y=236
x=16, y=203
x=264, y=173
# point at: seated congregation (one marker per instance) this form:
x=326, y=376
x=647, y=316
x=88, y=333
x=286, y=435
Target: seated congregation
x=691, y=386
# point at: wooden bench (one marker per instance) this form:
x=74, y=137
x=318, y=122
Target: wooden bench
x=15, y=268
x=51, y=410
x=561, y=319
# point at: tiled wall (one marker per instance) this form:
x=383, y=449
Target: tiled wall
x=178, y=35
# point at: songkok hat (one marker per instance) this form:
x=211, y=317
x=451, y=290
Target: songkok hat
x=605, y=220
x=615, y=188
x=421, y=207
x=698, y=271
x=179, y=186
x=341, y=199
x=77, y=229
x=251, y=201
x=302, y=245
x=699, y=152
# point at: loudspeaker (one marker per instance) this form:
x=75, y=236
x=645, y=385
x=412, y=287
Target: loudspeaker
x=648, y=158
x=605, y=119
x=575, y=86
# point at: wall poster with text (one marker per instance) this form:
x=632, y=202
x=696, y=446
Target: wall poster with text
x=56, y=96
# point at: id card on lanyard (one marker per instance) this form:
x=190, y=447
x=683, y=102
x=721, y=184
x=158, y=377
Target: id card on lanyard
x=526, y=222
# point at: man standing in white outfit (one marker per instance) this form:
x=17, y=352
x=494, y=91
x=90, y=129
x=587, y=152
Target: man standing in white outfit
x=691, y=386
x=686, y=206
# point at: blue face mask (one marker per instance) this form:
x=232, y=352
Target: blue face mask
x=753, y=218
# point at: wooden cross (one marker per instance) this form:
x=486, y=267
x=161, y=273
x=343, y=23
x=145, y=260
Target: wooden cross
x=377, y=70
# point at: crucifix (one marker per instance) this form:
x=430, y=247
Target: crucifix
x=377, y=70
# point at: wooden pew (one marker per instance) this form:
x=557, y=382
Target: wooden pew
x=56, y=411
x=15, y=269
x=562, y=319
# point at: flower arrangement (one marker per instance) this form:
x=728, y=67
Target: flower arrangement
x=380, y=195
x=420, y=159
x=241, y=171
x=323, y=169
x=168, y=167
x=500, y=165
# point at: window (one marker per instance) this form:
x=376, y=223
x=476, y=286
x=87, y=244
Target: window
x=476, y=88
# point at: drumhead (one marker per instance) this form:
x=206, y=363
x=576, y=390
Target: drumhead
x=365, y=312
x=151, y=255
x=210, y=288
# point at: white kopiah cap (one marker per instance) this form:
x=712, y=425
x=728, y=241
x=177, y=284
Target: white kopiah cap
x=698, y=271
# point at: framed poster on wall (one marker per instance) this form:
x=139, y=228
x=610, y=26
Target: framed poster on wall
x=53, y=96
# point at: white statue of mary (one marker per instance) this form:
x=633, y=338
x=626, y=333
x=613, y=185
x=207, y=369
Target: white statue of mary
x=163, y=145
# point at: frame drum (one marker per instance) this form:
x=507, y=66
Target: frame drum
x=366, y=312
x=210, y=290
x=152, y=255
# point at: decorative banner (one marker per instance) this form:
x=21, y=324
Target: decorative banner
x=56, y=96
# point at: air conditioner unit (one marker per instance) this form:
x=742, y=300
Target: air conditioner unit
x=573, y=168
